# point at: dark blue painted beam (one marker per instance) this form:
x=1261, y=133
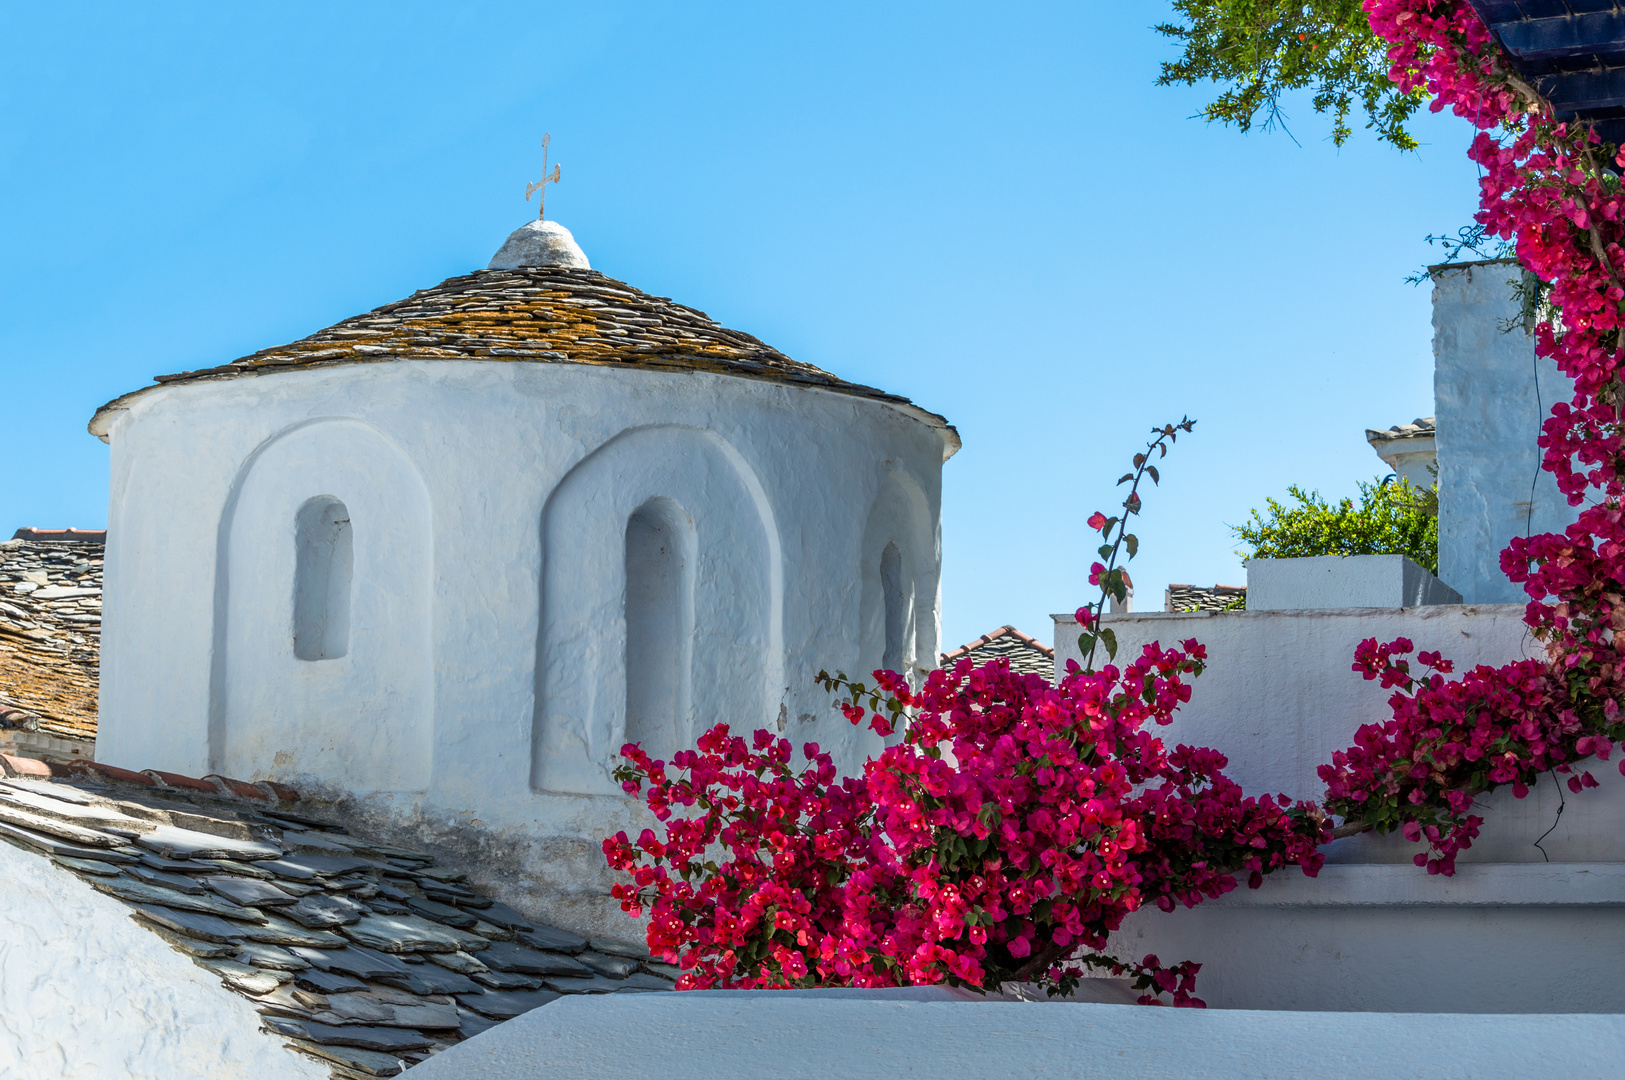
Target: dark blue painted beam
x=1578, y=91
x=1568, y=35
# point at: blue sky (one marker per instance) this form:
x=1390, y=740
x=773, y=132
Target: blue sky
x=988, y=208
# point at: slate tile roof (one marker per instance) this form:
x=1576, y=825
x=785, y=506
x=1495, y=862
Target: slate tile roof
x=1205, y=598
x=50, y=636
x=1421, y=428
x=1027, y=656
x=543, y=314
x=364, y=956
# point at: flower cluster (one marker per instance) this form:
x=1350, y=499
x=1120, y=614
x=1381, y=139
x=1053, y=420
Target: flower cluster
x=1544, y=186
x=1015, y=824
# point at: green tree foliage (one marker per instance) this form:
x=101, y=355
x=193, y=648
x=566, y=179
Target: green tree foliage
x=1259, y=49
x=1392, y=518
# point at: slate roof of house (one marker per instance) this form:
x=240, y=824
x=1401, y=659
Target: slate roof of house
x=540, y=314
x=1027, y=656
x=1420, y=428
x=50, y=636
x=365, y=956
x=1203, y=597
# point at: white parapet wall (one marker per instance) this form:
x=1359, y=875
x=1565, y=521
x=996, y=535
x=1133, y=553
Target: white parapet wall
x=848, y=1035
x=1343, y=581
x=1511, y=932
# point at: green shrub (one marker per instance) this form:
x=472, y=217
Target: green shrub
x=1392, y=518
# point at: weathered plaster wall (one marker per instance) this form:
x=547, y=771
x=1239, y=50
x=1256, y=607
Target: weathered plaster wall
x=854, y=1035
x=88, y=994
x=489, y=505
x=1491, y=396
x=1511, y=933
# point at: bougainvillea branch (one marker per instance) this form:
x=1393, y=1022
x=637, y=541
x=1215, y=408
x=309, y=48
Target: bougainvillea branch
x=1110, y=578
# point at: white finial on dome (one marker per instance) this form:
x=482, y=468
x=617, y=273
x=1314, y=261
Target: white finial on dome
x=539, y=243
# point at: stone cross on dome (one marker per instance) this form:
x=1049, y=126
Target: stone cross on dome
x=539, y=187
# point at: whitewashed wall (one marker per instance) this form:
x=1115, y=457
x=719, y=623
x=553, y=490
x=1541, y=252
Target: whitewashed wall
x=1491, y=396
x=1511, y=933
x=86, y=993
x=482, y=697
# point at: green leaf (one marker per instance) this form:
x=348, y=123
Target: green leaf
x=1109, y=638
x=1126, y=478
x=1131, y=542
x=1151, y=471
x=1086, y=643
x=1105, y=551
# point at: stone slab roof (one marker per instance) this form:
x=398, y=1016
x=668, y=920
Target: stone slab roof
x=548, y=314
x=365, y=956
x=1205, y=598
x=1027, y=656
x=1420, y=428
x=50, y=636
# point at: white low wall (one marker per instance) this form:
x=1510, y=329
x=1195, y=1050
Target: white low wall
x=721, y=1035
x=1510, y=933
x=1343, y=581
x=86, y=993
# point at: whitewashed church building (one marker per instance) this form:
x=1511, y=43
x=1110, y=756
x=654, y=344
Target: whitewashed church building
x=459, y=549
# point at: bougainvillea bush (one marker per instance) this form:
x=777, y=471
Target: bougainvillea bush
x=1015, y=825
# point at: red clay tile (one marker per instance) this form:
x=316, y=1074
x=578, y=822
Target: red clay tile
x=112, y=772
x=240, y=788
x=176, y=780
x=24, y=766
x=281, y=791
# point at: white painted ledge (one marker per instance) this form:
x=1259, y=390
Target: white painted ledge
x=762, y=1035
x=1405, y=885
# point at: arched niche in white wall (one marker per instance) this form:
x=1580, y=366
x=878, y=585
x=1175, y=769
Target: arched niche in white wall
x=324, y=558
x=659, y=617
x=899, y=567
x=718, y=587
x=323, y=664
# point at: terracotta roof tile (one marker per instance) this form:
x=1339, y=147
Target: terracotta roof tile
x=1027, y=656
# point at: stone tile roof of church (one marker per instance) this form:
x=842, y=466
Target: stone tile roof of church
x=1027, y=655
x=50, y=636
x=543, y=315
x=366, y=956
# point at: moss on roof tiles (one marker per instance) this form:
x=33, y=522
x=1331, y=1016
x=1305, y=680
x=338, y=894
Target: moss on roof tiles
x=539, y=314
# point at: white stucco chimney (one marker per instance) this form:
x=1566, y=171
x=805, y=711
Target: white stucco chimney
x=1491, y=396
